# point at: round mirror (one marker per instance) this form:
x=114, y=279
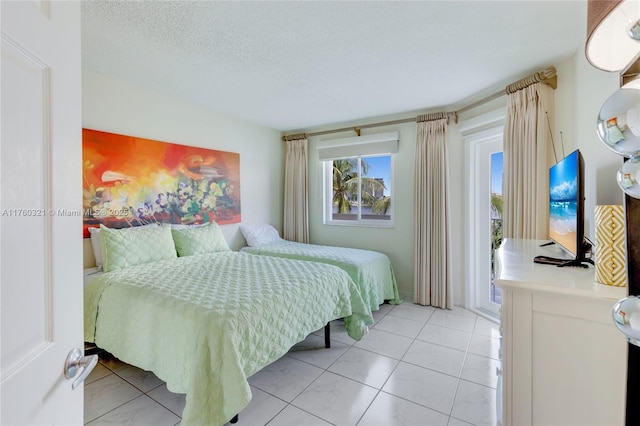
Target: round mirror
x=629, y=177
x=626, y=316
x=619, y=122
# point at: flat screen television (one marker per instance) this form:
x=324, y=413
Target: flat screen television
x=566, y=207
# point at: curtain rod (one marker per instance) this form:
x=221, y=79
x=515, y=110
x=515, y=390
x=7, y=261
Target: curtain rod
x=364, y=126
x=435, y=116
x=546, y=76
x=484, y=100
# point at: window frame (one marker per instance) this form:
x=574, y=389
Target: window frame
x=327, y=194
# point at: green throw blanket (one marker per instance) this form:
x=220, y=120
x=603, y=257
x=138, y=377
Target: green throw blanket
x=205, y=323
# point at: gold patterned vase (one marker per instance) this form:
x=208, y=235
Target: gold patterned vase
x=610, y=259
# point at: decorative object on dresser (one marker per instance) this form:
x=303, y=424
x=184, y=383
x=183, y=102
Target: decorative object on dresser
x=130, y=181
x=610, y=243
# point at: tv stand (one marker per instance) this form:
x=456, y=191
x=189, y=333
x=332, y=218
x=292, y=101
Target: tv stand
x=563, y=360
x=577, y=262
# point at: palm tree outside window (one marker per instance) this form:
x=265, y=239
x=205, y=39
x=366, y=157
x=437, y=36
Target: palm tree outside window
x=360, y=190
x=496, y=217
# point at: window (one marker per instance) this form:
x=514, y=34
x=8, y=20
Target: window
x=358, y=188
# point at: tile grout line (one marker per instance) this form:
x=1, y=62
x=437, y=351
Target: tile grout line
x=408, y=363
x=146, y=393
x=459, y=378
x=114, y=408
x=150, y=390
x=326, y=370
x=400, y=360
x=455, y=394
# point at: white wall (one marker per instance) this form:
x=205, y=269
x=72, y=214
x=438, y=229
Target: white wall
x=115, y=106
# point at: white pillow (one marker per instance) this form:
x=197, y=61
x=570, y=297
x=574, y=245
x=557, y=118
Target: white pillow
x=95, y=242
x=94, y=233
x=260, y=234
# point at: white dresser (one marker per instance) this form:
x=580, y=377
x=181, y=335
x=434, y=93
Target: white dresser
x=563, y=360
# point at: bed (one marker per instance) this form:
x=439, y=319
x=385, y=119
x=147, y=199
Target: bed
x=205, y=322
x=370, y=270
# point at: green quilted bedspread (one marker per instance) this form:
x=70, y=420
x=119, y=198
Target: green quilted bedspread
x=205, y=323
x=370, y=270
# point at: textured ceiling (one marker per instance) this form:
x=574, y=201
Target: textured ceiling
x=299, y=65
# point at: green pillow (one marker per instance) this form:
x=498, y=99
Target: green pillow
x=199, y=239
x=123, y=248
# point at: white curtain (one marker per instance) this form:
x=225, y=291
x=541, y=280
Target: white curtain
x=432, y=270
x=296, y=210
x=528, y=153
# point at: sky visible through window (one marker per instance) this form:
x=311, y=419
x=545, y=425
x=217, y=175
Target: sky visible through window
x=496, y=173
x=380, y=167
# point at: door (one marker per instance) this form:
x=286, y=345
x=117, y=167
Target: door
x=40, y=181
x=483, y=217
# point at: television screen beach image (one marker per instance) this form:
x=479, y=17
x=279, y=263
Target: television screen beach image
x=563, y=202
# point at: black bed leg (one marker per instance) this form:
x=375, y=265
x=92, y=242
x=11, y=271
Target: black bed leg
x=234, y=419
x=327, y=336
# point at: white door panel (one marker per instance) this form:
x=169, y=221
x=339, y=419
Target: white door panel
x=40, y=172
x=482, y=214
x=479, y=145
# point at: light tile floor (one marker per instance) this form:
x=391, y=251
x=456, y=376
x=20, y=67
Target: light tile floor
x=417, y=366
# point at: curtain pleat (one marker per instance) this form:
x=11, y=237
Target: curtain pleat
x=527, y=157
x=432, y=270
x=296, y=211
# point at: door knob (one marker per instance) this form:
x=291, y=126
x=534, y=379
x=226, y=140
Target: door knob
x=77, y=363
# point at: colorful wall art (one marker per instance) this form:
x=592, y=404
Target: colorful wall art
x=130, y=181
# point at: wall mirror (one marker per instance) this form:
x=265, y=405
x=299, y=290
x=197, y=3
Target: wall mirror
x=619, y=130
x=619, y=122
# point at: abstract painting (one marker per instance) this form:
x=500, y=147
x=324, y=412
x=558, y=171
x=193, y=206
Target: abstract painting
x=130, y=181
